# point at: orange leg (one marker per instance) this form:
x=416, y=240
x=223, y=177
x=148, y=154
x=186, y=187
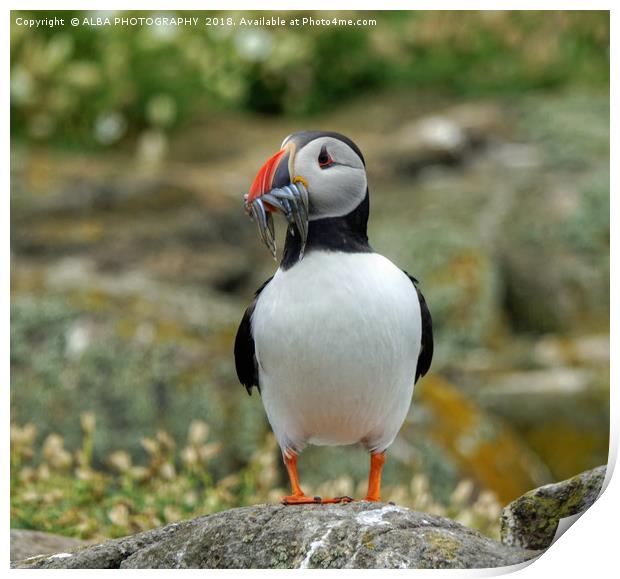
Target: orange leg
x=377, y=460
x=297, y=496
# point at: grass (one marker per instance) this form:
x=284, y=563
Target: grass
x=59, y=491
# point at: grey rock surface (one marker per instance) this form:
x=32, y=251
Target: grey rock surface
x=355, y=535
x=531, y=521
x=25, y=543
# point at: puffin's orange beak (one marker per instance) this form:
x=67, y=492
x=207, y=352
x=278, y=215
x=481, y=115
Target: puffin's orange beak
x=273, y=190
x=263, y=182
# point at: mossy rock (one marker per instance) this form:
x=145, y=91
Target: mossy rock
x=356, y=535
x=532, y=520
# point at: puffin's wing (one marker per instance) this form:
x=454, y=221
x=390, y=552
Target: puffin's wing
x=245, y=359
x=426, y=351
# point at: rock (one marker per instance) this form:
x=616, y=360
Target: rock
x=433, y=140
x=356, y=535
x=531, y=521
x=445, y=137
x=26, y=543
x=481, y=447
x=561, y=413
x=554, y=245
x=588, y=350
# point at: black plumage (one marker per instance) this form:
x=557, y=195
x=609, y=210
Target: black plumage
x=245, y=357
x=426, y=350
x=346, y=234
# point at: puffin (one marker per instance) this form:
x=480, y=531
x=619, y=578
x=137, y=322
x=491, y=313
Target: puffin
x=336, y=339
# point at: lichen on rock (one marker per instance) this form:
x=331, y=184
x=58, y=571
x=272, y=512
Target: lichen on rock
x=531, y=521
x=355, y=535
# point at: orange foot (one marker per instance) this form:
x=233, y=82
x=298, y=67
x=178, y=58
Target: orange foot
x=305, y=500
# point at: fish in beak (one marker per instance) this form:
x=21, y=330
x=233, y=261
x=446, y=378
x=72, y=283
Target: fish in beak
x=273, y=191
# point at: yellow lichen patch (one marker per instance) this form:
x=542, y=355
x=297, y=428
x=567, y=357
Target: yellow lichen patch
x=26, y=280
x=94, y=300
x=446, y=547
x=488, y=452
x=67, y=230
x=41, y=171
x=465, y=270
x=568, y=449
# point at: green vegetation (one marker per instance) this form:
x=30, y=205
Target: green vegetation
x=61, y=492
x=96, y=86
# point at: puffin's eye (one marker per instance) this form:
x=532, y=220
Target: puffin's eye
x=325, y=159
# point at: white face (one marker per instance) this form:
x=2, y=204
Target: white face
x=335, y=176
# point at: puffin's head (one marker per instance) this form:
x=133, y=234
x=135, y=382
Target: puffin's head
x=315, y=175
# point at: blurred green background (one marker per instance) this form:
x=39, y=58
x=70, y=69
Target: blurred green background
x=486, y=136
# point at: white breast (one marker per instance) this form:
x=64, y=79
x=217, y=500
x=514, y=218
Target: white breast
x=337, y=341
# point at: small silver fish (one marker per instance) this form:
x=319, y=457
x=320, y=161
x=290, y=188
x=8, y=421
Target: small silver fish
x=292, y=202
